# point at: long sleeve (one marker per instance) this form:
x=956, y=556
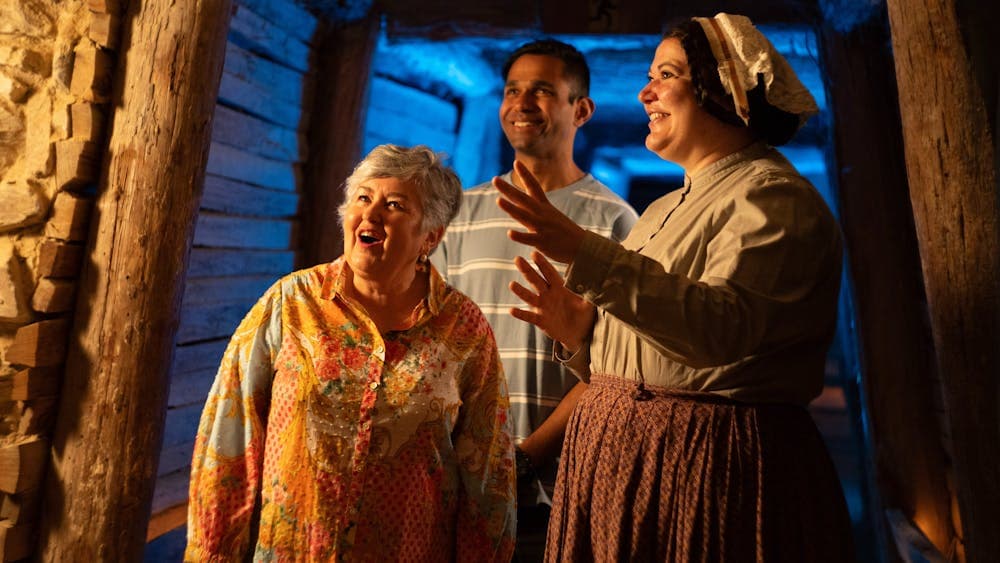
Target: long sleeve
x=746, y=287
x=485, y=450
x=228, y=456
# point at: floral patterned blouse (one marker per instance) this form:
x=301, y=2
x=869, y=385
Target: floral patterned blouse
x=324, y=440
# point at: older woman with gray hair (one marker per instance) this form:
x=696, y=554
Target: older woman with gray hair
x=360, y=411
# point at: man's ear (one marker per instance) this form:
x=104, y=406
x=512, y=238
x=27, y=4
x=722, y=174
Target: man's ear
x=584, y=110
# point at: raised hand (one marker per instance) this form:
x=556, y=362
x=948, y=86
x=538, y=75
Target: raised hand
x=549, y=230
x=561, y=314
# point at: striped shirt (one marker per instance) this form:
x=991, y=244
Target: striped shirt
x=477, y=258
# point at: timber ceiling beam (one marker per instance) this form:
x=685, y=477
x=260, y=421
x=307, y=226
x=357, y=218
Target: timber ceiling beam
x=444, y=19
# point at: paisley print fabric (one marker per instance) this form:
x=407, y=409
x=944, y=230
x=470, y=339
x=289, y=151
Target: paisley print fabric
x=324, y=440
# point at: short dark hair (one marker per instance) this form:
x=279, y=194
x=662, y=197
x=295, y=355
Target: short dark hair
x=574, y=63
x=768, y=122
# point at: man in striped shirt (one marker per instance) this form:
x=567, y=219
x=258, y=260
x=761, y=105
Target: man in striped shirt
x=545, y=100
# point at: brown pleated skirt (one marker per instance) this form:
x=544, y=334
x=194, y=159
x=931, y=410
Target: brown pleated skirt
x=680, y=476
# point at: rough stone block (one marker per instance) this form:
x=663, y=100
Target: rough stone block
x=104, y=30
x=70, y=217
x=14, y=287
x=59, y=260
x=26, y=60
x=13, y=89
x=77, y=163
x=23, y=205
x=53, y=296
x=87, y=121
x=39, y=160
x=92, y=70
x=40, y=344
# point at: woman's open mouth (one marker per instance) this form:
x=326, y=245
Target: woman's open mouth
x=369, y=238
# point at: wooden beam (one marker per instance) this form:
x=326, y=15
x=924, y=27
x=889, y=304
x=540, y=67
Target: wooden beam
x=105, y=6
x=274, y=41
x=335, y=133
x=238, y=92
x=106, y=442
x=289, y=14
x=53, y=295
x=16, y=541
x=30, y=383
x=39, y=344
x=279, y=81
x=77, y=162
x=909, y=459
x=239, y=198
x=22, y=465
x=59, y=260
x=203, y=355
x=92, y=67
x=243, y=232
x=438, y=19
x=240, y=129
x=169, y=503
x=19, y=508
x=36, y=416
x=231, y=162
x=950, y=159
x=70, y=218
x=104, y=29
x=168, y=520
x=87, y=121
x=176, y=457
x=229, y=262
x=203, y=321
x=911, y=543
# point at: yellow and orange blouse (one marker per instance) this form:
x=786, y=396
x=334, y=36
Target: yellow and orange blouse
x=324, y=440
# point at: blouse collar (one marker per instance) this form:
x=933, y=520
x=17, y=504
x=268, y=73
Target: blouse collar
x=709, y=173
x=335, y=283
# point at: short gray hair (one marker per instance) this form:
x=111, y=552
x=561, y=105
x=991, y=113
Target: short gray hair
x=439, y=187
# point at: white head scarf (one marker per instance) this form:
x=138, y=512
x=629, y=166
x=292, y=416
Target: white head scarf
x=743, y=53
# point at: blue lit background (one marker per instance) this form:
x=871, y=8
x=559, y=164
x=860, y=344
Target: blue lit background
x=446, y=94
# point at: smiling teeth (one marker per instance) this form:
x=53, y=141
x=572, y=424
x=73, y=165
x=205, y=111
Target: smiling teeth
x=523, y=124
x=656, y=115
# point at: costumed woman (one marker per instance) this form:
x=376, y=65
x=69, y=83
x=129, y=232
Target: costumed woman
x=704, y=333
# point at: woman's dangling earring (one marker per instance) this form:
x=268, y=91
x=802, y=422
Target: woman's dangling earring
x=422, y=263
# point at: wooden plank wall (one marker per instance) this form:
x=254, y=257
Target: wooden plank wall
x=404, y=115
x=245, y=237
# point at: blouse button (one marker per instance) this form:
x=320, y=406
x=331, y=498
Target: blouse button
x=373, y=385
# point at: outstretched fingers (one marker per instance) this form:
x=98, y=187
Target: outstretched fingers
x=541, y=284
x=525, y=294
x=528, y=180
x=528, y=317
x=548, y=271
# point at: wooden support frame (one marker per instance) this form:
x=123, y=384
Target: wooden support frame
x=910, y=460
x=335, y=133
x=107, y=438
x=950, y=157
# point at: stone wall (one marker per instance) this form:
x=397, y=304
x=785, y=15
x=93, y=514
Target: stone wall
x=55, y=63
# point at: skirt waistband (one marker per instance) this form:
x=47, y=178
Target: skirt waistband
x=642, y=391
